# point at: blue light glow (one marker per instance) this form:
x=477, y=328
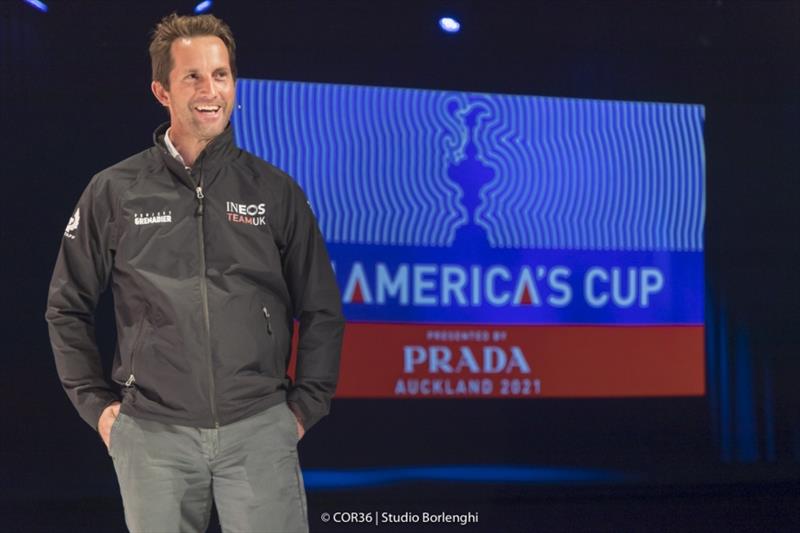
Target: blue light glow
x=318, y=479
x=38, y=4
x=449, y=24
x=203, y=6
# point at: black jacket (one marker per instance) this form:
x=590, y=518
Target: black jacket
x=206, y=282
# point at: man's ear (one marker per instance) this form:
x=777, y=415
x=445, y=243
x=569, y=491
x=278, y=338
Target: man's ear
x=161, y=94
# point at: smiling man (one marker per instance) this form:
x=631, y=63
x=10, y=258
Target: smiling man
x=193, y=78
x=212, y=254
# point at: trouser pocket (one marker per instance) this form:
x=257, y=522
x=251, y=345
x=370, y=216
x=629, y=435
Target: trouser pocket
x=114, y=434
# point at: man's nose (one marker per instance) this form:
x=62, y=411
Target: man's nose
x=206, y=86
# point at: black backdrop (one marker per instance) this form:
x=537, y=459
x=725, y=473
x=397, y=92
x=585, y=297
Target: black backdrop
x=75, y=99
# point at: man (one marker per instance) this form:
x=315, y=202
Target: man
x=211, y=254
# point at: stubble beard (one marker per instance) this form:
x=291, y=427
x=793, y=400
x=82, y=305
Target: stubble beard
x=207, y=132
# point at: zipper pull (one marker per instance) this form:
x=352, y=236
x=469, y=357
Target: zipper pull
x=131, y=381
x=200, y=196
x=269, y=322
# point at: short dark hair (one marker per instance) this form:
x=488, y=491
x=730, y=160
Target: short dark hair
x=174, y=27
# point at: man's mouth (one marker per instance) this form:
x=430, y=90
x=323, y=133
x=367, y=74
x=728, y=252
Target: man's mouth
x=208, y=109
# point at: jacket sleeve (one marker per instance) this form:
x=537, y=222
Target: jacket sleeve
x=317, y=305
x=80, y=276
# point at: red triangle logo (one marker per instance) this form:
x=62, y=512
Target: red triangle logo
x=526, y=296
x=358, y=296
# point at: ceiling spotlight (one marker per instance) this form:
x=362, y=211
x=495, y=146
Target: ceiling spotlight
x=203, y=6
x=449, y=24
x=38, y=4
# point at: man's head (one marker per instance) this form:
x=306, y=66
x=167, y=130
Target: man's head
x=194, y=72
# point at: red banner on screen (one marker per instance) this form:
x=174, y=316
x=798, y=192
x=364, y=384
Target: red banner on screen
x=447, y=361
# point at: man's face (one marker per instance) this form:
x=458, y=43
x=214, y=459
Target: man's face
x=201, y=90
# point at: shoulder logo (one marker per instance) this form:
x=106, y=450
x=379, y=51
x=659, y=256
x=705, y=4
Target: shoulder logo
x=159, y=217
x=72, y=225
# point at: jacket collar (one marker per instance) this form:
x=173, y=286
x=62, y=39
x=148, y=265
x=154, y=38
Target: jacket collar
x=221, y=150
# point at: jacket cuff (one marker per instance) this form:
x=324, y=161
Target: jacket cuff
x=91, y=410
x=307, y=416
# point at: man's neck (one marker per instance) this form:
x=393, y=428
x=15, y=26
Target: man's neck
x=188, y=148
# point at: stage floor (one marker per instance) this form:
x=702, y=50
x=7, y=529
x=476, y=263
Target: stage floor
x=752, y=507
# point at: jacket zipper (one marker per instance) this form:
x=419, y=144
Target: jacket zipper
x=269, y=319
x=204, y=296
x=136, y=346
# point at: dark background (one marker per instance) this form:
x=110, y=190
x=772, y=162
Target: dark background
x=75, y=98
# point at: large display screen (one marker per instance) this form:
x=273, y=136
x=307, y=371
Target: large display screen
x=492, y=245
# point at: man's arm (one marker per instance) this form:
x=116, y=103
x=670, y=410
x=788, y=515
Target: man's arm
x=80, y=276
x=317, y=305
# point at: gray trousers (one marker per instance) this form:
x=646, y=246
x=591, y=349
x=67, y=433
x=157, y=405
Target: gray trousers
x=169, y=475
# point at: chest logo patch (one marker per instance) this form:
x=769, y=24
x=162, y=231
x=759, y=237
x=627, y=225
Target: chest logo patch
x=250, y=214
x=159, y=217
